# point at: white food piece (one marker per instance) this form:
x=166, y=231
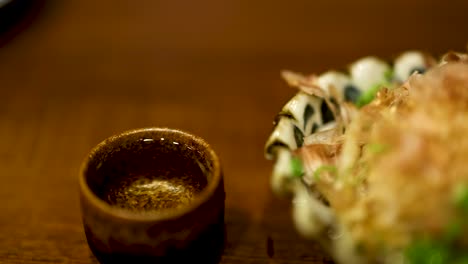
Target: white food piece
x=310, y=215
x=368, y=72
x=281, y=176
x=336, y=80
x=407, y=62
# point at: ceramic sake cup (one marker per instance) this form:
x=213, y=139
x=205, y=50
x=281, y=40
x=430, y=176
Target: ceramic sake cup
x=153, y=195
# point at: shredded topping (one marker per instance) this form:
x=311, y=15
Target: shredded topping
x=390, y=169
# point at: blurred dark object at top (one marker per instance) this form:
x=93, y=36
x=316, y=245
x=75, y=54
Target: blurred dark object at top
x=15, y=15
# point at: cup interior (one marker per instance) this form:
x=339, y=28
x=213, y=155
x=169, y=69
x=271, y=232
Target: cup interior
x=149, y=170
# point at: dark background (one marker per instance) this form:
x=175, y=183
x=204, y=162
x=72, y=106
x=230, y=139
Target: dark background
x=75, y=72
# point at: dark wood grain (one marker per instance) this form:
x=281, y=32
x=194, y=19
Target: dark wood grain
x=75, y=72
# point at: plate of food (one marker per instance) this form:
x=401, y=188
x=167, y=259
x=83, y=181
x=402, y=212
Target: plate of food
x=375, y=159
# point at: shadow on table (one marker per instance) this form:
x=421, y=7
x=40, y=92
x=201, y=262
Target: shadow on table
x=237, y=224
x=283, y=243
x=16, y=16
x=204, y=250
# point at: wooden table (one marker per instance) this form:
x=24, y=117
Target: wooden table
x=75, y=72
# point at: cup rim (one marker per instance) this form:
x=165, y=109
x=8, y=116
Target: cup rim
x=162, y=214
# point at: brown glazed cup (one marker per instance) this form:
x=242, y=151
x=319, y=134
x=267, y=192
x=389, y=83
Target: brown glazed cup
x=153, y=195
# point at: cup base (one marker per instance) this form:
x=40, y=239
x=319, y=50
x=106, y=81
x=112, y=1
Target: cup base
x=207, y=248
